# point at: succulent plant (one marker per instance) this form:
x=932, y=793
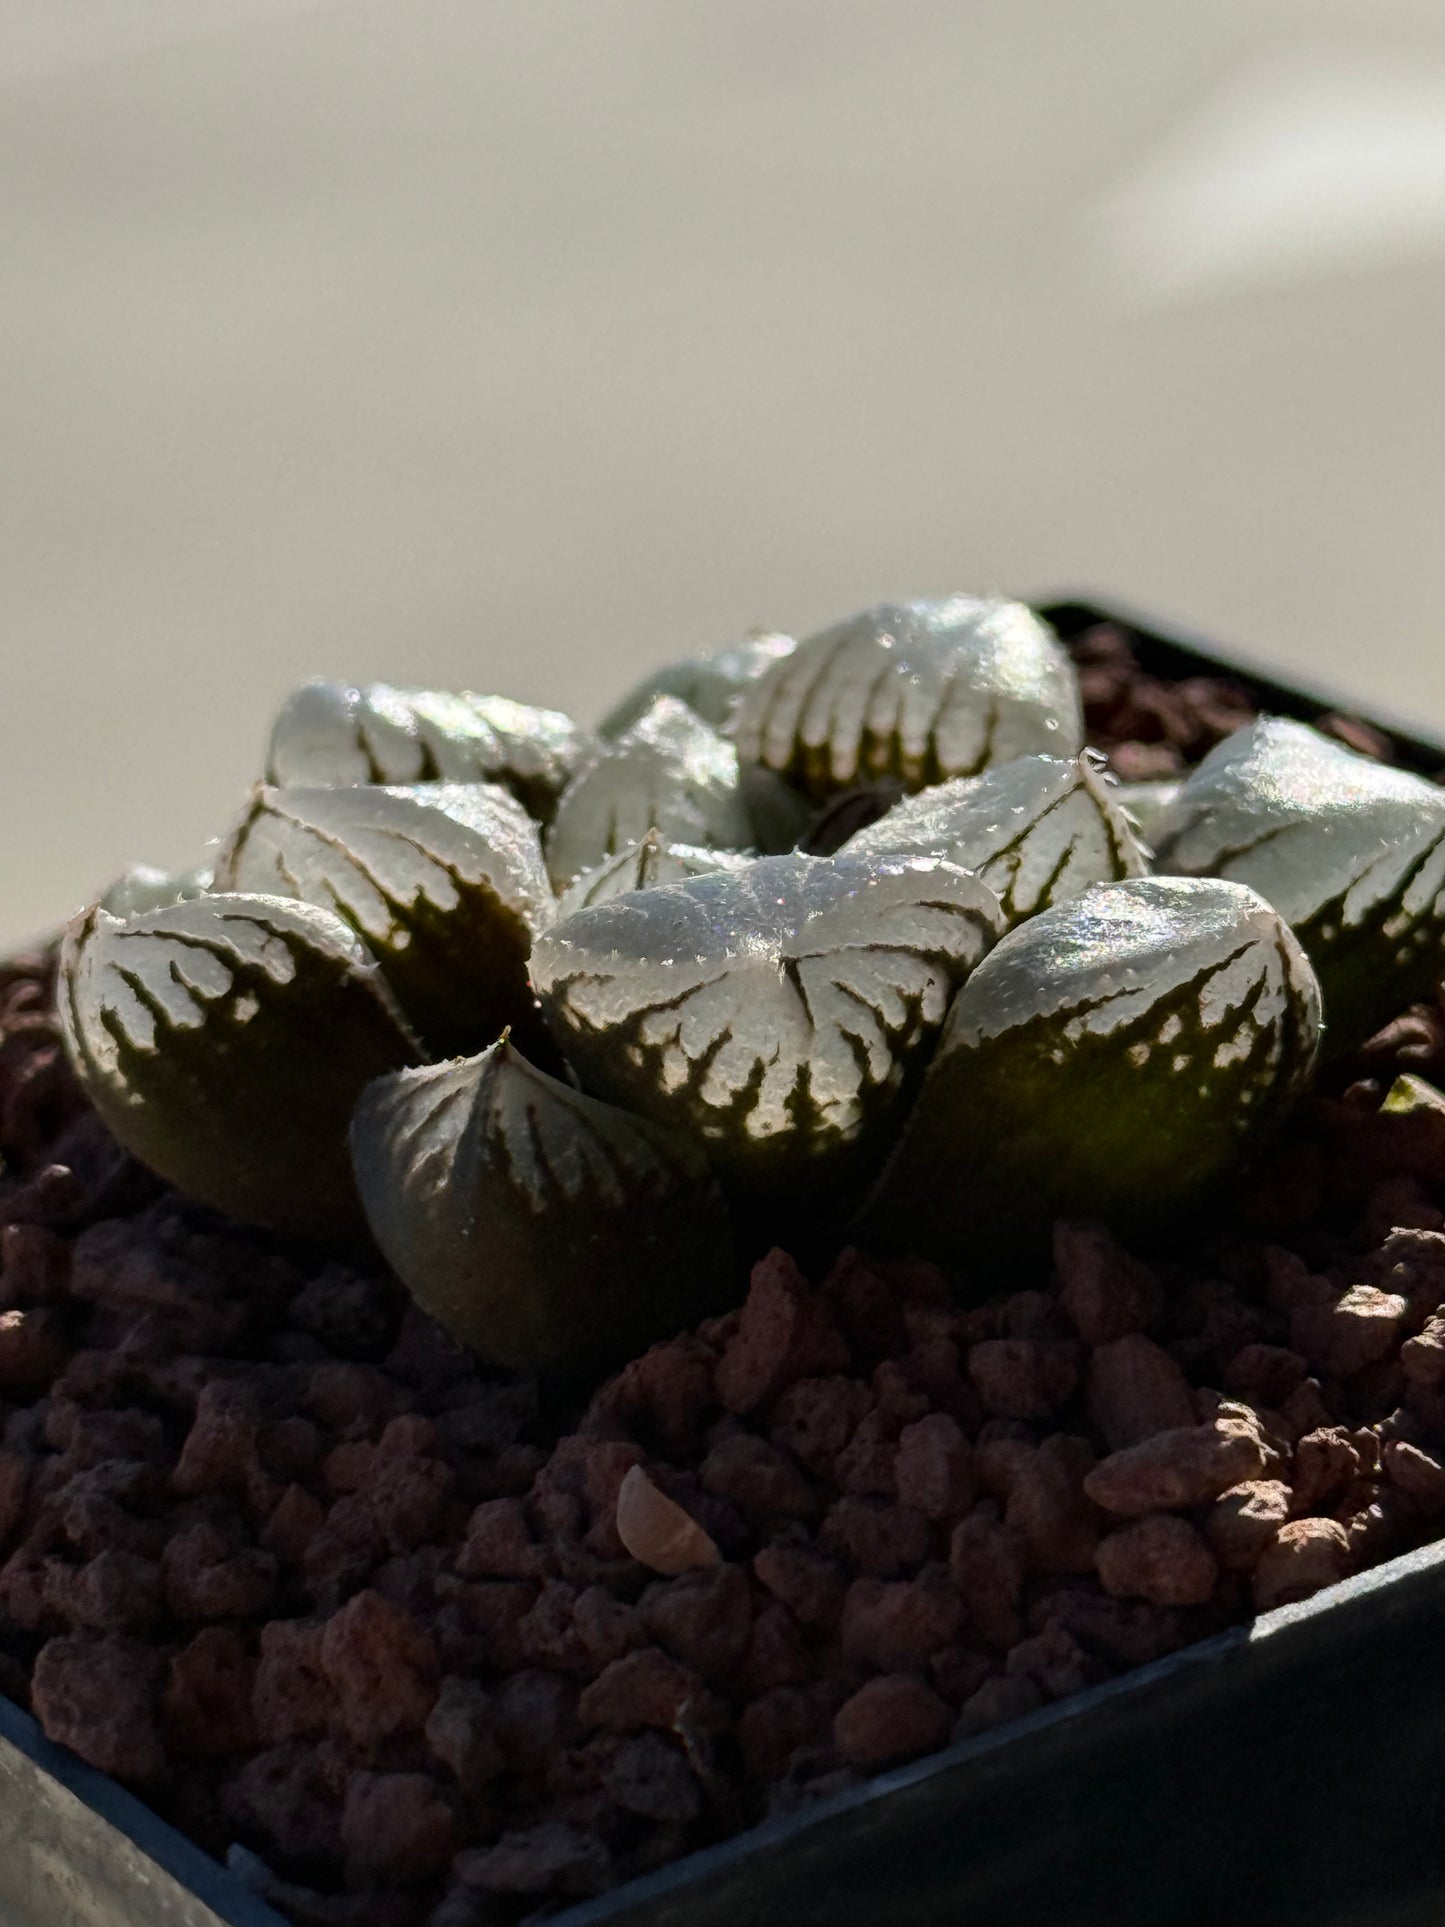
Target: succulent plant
x=640, y=866
x=444, y=883
x=330, y=734
x=920, y=691
x=225, y=1042
x=1036, y=830
x=1350, y=853
x=705, y=1033
x=1112, y=1057
x=671, y=772
x=711, y=685
x=773, y=1014
x=550, y=1232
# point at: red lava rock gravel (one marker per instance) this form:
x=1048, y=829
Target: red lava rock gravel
x=411, y=1643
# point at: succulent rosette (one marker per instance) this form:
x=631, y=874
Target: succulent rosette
x=582, y=1005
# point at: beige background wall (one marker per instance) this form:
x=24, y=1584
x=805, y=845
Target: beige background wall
x=520, y=345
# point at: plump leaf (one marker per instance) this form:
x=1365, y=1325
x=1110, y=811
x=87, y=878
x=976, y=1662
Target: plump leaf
x=670, y=772
x=549, y=1232
x=443, y=882
x=1110, y=1058
x=142, y=887
x=1351, y=854
x=330, y=734
x=640, y=866
x=776, y=1015
x=1036, y=830
x=919, y=691
x=225, y=1041
x=711, y=685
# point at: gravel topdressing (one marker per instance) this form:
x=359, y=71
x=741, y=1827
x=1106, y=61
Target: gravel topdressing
x=414, y=1644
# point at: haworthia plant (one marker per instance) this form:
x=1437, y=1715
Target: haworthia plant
x=1112, y=1057
x=444, y=882
x=640, y=866
x=1036, y=830
x=671, y=772
x=985, y=982
x=329, y=733
x=225, y=1041
x=1351, y=854
x=548, y=1231
x=775, y=1015
x=711, y=685
x=920, y=691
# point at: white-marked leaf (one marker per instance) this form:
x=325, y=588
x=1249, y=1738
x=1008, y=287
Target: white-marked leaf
x=711, y=685
x=1351, y=854
x=776, y=1015
x=1110, y=1058
x=670, y=772
x=142, y=887
x=918, y=691
x=640, y=866
x=443, y=882
x=224, y=1042
x=1036, y=830
x=549, y=1232
x=330, y=734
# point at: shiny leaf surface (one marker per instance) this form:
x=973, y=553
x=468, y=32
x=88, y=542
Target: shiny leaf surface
x=224, y=1042
x=1111, y=1058
x=777, y=1015
x=1036, y=830
x=670, y=772
x=919, y=691
x=1350, y=852
x=652, y=861
x=711, y=685
x=443, y=882
x=329, y=734
x=548, y=1231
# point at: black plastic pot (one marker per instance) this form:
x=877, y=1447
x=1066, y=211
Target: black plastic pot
x=1287, y=1774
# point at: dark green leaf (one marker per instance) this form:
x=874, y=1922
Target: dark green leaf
x=549, y=1232
x=443, y=882
x=1110, y=1058
x=225, y=1041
